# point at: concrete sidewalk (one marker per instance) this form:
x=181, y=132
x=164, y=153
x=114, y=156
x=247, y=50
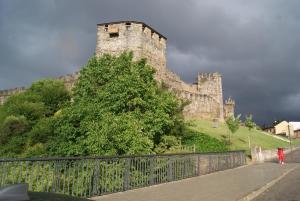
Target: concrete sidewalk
x=227, y=185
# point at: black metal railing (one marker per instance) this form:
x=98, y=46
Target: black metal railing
x=93, y=176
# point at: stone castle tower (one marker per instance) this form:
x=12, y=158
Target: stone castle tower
x=229, y=108
x=205, y=96
x=117, y=37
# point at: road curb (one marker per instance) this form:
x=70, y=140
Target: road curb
x=256, y=193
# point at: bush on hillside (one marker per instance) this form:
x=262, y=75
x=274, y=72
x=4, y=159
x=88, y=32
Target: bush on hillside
x=203, y=142
x=26, y=117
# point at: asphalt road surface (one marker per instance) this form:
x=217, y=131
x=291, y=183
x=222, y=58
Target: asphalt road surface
x=288, y=188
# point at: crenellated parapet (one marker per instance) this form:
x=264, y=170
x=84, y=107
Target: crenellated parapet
x=229, y=108
x=145, y=42
x=69, y=81
x=209, y=75
x=230, y=101
x=5, y=94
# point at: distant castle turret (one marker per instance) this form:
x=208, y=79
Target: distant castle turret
x=206, y=96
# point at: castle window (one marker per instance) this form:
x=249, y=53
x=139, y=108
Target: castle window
x=128, y=24
x=143, y=28
x=160, y=38
x=106, y=28
x=114, y=35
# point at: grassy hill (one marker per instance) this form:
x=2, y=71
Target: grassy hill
x=239, y=139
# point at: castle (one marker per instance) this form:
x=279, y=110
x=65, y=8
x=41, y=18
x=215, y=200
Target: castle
x=205, y=96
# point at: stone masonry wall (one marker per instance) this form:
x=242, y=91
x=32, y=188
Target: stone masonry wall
x=143, y=41
x=4, y=94
x=211, y=84
x=69, y=80
x=206, y=97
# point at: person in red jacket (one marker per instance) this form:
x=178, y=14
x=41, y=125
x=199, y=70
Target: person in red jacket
x=280, y=155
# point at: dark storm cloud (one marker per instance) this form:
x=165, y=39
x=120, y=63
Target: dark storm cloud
x=254, y=44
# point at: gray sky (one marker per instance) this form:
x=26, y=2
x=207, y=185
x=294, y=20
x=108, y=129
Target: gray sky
x=254, y=44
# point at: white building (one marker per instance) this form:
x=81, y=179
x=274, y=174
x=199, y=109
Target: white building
x=287, y=128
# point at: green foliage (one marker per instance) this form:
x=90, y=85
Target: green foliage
x=52, y=93
x=36, y=150
x=168, y=144
x=25, y=104
x=249, y=123
x=233, y=123
x=12, y=126
x=26, y=118
x=203, y=142
x=117, y=109
x=41, y=131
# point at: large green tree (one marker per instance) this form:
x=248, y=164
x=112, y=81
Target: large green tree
x=117, y=108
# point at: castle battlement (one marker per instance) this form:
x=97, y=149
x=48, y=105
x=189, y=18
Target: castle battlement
x=209, y=75
x=229, y=101
x=127, y=24
x=5, y=94
x=145, y=42
x=9, y=92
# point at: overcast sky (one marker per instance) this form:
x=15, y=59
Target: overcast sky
x=254, y=44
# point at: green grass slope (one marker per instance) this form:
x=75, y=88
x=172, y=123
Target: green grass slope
x=239, y=140
x=203, y=142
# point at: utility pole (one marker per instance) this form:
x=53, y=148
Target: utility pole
x=290, y=136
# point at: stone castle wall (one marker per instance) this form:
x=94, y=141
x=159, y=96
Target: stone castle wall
x=206, y=96
x=69, y=80
x=4, y=94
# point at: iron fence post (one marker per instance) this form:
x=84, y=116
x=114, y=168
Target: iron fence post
x=170, y=169
x=151, y=170
x=95, y=179
x=198, y=165
x=126, y=181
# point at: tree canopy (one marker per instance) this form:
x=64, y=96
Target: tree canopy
x=117, y=108
x=249, y=123
x=233, y=124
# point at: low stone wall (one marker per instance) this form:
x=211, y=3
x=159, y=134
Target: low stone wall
x=259, y=156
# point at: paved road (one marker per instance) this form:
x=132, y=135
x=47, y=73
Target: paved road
x=227, y=185
x=288, y=188
x=293, y=157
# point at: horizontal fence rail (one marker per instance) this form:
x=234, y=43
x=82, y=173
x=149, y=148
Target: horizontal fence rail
x=94, y=176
